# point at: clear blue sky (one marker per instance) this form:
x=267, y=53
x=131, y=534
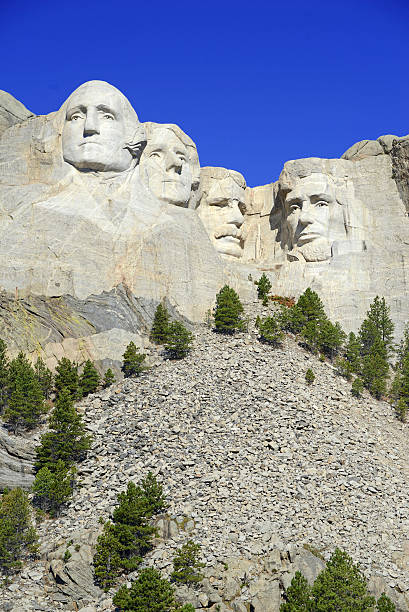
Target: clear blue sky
x=254, y=84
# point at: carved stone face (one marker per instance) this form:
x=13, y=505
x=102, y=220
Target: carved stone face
x=165, y=167
x=97, y=128
x=222, y=210
x=313, y=217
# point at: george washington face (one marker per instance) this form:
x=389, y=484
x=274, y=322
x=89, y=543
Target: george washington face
x=99, y=121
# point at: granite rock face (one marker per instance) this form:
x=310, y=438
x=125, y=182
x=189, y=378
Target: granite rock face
x=11, y=111
x=95, y=204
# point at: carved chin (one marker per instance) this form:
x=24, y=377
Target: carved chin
x=227, y=245
x=318, y=250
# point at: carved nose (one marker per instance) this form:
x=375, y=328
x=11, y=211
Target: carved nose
x=91, y=125
x=173, y=163
x=307, y=215
x=236, y=216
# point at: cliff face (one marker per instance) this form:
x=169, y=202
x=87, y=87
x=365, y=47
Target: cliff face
x=258, y=467
x=82, y=227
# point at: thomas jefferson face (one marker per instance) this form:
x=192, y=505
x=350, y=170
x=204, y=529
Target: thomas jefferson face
x=166, y=168
x=97, y=128
x=310, y=208
x=222, y=212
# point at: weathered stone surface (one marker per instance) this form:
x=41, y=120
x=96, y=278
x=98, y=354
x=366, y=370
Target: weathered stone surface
x=16, y=460
x=11, y=111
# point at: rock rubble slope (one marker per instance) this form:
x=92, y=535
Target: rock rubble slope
x=252, y=457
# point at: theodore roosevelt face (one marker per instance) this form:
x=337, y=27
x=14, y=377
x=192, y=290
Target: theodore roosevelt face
x=222, y=213
x=96, y=129
x=165, y=167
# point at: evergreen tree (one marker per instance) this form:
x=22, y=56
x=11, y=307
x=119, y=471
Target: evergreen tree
x=353, y=353
x=309, y=304
x=384, y=604
x=128, y=537
x=159, y=331
x=179, y=340
x=66, y=440
x=403, y=348
x=89, y=379
x=4, y=373
x=297, y=596
x=25, y=403
x=270, y=329
x=67, y=378
x=403, y=390
x=148, y=593
x=53, y=489
x=341, y=586
x=17, y=534
x=109, y=378
x=401, y=410
x=344, y=368
x=187, y=564
x=330, y=338
x=263, y=288
x=310, y=335
x=375, y=368
x=309, y=376
x=377, y=324
x=357, y=387
x=228, y=311
x=44, y=377
x=132, y=361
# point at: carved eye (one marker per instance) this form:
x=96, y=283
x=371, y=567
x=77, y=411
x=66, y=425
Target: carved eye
x=108, y=116
x=155, y=154
x=294, y=206
x=321, y=203
x=75, y=117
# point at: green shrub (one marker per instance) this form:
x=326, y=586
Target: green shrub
x=384, y=604
x=159, y=331
x=66, y=440
x=179, y=340
x=344, y=368
x=109, y=378
x=44, y=377
x=148, y=593
x=357, y=387
x=17, y=534
x=227, y=311
x=187, y=565
x=297, y=596
x=89, y=379
x=263, y=288
x=401, y=410
x=133, y=361
x=128, y=537
x=52, y=489
x=309, y=376
x=270, y=330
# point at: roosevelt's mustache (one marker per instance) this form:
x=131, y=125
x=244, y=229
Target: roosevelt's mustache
x=228, y=229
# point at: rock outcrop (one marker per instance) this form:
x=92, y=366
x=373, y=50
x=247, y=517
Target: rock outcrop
x=11, y=111
x=268, y=474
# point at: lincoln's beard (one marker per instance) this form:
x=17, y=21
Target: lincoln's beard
x=317, y=250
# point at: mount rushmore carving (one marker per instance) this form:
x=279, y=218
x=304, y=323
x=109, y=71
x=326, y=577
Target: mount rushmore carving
x=98, y=207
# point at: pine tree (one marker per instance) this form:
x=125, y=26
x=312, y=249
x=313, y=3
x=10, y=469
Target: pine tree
x=401, y=410
x=341, y=586
x=67, y=378
x=309, y=376
x=330, y=338
x=44, y=377
x=66, y=440
x=128, y=537
x=270, y=329
x=89, y=379
x=377, y=324
x=357, y=387
x=109, y=378
x=375, y=368
x=384, y=604
x=403, y=348
x=17, y=534
x=263, y=288
x=311, y=306
x=228, y=311
x=53, y=489
x=25, y=403
x=179, y=340
x=159, y=331
x=298, y=595
x=148, y=593
x=187, y=564
x=353, y=353
x=132, y=361
x=4, y=373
